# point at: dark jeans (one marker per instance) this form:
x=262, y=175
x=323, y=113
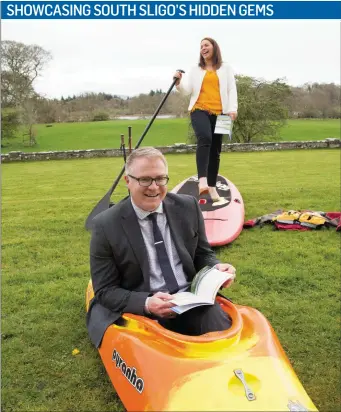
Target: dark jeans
x=200, y=320
x=208, y=145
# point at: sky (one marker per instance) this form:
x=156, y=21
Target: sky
x=128, y=57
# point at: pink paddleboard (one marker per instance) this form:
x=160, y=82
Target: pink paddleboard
x=223, y=220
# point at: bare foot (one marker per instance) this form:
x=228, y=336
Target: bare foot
x=213, y=193
x=203, y=186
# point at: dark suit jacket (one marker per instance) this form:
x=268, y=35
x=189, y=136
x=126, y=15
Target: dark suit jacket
x=119, y=262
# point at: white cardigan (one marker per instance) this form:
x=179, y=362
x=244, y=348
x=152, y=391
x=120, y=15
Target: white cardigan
x=227, y=85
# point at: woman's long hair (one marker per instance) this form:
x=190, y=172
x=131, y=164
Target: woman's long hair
x=216, y=58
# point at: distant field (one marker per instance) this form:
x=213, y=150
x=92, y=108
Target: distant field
x=293, y=278
x=101, y=135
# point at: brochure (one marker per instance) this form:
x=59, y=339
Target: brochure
x=224, y=125
x=204, y=289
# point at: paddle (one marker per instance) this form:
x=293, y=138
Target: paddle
x=123, y=148
x=129, y=139
x=104, y=203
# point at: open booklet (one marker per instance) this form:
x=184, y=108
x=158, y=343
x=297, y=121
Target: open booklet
x=224, y=125
x=204, y=289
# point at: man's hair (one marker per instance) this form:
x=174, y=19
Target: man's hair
x=216, y=58
x=147, y=152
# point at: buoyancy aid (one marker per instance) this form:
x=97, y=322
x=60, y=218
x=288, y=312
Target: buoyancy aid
x=289, y=217
x=298, y=220
x=312, y=220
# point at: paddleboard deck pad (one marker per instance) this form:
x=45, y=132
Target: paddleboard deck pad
x=224, y=219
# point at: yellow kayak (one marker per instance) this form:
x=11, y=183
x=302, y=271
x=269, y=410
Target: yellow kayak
x=241, y=369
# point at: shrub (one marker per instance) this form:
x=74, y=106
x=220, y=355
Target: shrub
x=100, y=116
x=10, y=123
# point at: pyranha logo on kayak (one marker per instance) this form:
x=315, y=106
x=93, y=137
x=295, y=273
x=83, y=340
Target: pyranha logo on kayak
x=129, y=373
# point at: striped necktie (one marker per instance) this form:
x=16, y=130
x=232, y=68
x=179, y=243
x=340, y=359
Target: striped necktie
x=166, y=268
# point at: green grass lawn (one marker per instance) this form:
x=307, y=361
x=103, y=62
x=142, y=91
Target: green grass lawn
x=293, y=278
x=103, y=135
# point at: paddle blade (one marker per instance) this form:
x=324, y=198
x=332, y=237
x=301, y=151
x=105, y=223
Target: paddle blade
x=101, y=206
x=104, y=203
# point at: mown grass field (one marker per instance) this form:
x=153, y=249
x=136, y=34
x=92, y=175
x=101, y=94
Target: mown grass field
x=293, y=278
x=164, y=132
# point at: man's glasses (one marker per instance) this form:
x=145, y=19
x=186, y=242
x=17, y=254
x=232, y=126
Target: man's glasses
x=147, y=181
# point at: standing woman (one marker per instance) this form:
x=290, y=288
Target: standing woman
x=213, y=91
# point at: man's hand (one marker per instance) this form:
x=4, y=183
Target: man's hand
x=159, y=305
x=226, y=267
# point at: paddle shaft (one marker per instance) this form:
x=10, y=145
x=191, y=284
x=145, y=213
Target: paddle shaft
x=129, y=138
x=104, y=203
x=123, y=147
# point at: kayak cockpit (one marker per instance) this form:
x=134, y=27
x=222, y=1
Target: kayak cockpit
x=178, y=344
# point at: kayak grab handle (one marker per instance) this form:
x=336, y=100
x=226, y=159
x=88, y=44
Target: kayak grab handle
x=248, y=392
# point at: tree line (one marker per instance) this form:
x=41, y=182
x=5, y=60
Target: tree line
x=264, y=106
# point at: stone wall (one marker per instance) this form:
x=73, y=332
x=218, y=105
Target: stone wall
x=329, y=143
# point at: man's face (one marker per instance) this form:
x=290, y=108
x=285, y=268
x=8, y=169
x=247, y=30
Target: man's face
x=147, y=198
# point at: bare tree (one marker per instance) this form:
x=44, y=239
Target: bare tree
x=21, y=65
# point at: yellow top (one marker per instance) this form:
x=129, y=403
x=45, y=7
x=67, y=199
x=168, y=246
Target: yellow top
x=209, y=97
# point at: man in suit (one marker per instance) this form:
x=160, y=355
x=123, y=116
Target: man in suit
x=147, y=247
